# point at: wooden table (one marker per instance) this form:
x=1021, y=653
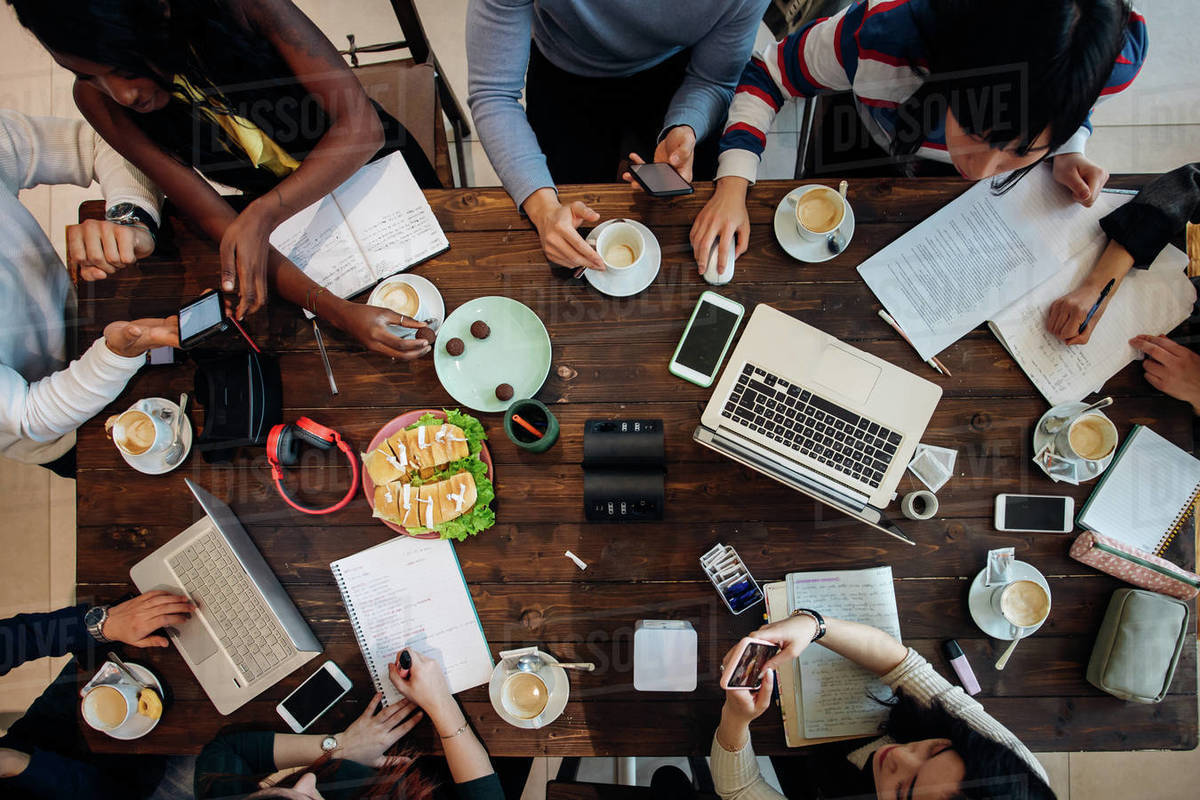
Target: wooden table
x=609, y=360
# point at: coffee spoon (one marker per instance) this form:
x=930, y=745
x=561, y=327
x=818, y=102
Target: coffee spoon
x=532, y=663
x=1002, y=662
x=835, y=241
x=1055, y=424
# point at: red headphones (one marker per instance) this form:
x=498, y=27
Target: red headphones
x=283, y=450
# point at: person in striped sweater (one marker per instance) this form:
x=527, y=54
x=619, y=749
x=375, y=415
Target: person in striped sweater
x=990, y=86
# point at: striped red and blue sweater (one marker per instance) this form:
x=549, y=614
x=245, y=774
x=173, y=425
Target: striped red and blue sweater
x=874, y=49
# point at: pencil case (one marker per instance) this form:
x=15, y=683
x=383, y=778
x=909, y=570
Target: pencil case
x=1138, y=646
x=1134, y=566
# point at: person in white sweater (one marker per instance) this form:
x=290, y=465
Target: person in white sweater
x=938, y=744
x=42, y=398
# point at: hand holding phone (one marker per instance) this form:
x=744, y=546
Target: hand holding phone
x=659, y=179
x=745, y=669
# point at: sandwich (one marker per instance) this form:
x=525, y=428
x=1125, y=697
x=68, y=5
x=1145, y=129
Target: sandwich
x=428, y=505
x=421, y=450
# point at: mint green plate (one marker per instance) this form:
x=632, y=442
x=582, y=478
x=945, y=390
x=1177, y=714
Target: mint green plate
x=517, y=352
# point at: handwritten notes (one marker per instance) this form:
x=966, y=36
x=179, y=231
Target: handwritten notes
x=836, y=696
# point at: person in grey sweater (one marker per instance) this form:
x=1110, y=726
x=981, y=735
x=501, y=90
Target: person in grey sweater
x=602, y=79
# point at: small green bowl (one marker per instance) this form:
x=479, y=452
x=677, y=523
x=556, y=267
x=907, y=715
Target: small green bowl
x=536, y=414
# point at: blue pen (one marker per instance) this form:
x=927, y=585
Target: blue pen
x=1103, y=294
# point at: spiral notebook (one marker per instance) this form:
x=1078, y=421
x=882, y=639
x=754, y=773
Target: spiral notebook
x=1147, y=494
x=410, y=593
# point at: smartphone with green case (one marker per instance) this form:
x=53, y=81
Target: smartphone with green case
x=706, y=339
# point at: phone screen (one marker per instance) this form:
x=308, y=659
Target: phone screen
x=312, y=697
x=747, y=673
x=705, y=339
x=660, y=178
x=1034, y=513
x=198, y=317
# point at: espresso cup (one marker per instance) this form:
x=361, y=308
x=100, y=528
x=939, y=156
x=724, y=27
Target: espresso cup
x=1090, y=437
x=106, y=707
x=399, y=295
x=1023, y=603
x=819, y=211
x=621, y=246
x=524, y=695
x=138, y=430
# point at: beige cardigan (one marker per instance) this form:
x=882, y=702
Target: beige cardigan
x=736, y=775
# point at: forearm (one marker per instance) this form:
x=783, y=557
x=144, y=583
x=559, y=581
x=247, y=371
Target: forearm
x=865, y=645
x=733, y=733
x=296, y=749
x=27, y=637
x=1145, y=224
x=1114, y=264
x=465, y=754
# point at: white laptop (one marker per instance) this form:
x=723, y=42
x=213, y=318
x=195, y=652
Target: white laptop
x=818, y=415
x=247, y=634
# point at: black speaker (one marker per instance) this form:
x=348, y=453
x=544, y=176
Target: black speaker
x=624, y=470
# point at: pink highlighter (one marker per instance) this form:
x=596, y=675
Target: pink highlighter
x=962, y=668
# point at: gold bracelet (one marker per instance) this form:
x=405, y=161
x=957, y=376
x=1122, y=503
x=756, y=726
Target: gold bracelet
x=461, y=730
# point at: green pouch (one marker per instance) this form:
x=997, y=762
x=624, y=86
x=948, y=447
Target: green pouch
x=1138, y=645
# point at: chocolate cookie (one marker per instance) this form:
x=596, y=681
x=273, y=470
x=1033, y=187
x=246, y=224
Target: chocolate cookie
x=504, y=392
x=455, y=347
x=480, y=329
x=426, y=334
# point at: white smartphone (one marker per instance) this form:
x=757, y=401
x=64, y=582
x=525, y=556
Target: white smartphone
x=706, y=339
x=1036, y=513
x=314, y=697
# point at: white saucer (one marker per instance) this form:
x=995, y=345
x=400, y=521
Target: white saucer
x=1041, y=439
x=155, y=463
x=979, y=601
x=136, y=726
x=802, y=249
x=431, y=299
x=627, y=282
x=556, y=680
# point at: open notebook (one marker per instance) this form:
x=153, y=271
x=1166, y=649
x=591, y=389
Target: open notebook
x=374, y=225
x=1006, y=259
x=1146, y=495
x=410, y=592
x=822, y=696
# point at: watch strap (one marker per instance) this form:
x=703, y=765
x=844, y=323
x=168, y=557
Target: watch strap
x=816, y=617
x=94, y=618
x=131, y=214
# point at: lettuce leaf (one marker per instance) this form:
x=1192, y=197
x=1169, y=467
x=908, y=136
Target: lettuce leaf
x=480, y=517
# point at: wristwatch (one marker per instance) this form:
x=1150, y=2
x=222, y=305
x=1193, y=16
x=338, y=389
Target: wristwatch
x=94, y=620
x=130, y=214
x=329, y=744
x=819, y=619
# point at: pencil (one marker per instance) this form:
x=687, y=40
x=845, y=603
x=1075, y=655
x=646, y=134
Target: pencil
x=933, y=362
x=324, y=356
x=517, y=419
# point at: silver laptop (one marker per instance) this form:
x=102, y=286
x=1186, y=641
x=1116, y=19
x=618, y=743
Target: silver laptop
x=247, y=633
x=818, y=415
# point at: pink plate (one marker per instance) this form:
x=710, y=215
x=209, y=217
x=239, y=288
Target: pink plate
x=400, y=422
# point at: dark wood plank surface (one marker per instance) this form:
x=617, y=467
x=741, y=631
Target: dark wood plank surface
x=609, y=360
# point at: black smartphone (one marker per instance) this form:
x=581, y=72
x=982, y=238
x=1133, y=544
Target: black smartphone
x=660, y=180
x=202, y=318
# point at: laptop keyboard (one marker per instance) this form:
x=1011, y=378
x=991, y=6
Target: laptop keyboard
x=244, y=624
x=811, y=425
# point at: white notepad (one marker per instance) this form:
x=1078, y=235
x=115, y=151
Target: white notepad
x=410, y=593
x=1146, y=493
x=374, y=225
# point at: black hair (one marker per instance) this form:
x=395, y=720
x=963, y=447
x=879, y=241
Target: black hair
x=1009, y=70
x=993, y=770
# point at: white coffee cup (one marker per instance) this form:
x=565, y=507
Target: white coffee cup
x=621, y=246
x=400, y=295
x=138, y=430
x=1089, y=437
x=108, y=706
x=1023, y=603
x=525, y=695
x=815, y=219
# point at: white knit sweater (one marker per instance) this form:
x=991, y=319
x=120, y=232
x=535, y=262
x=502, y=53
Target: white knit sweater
x=41, y=402
x=736, y=775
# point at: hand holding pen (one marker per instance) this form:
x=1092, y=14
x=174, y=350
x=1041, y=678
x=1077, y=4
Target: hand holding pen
x=1074, y=316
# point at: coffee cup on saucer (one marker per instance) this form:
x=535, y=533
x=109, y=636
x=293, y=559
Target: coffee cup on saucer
x=1023, y=603
x=525, y=695
x=108, y=706
x=139, y=431
x=621, y=246
x=400, y=295
x=819, y=211
x=1089, y=437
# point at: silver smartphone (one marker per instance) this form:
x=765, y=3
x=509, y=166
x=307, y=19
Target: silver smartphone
x=314, y=697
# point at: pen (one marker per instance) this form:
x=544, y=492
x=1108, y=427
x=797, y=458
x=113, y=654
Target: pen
x=1103, y=294
x=324, y=357
x=933, y=362
x=1119, y=191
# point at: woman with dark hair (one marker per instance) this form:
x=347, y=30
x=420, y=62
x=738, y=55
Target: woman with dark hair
x=988, y=86
x=938, y=743
x=356, y=763
x=247, y=93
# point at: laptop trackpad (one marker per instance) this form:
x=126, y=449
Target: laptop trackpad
x=846, y=373
x=194, y=640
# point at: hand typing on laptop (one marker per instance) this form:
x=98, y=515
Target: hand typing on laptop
x=135, y=621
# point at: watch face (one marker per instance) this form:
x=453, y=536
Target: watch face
x=93, y=616
x=119, y=210
x=329, y=743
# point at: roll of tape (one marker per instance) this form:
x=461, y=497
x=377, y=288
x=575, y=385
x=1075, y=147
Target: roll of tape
x=919, y=505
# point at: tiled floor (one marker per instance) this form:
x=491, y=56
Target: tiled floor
x=1153, y=126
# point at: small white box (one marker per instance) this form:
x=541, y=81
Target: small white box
x=664, y=656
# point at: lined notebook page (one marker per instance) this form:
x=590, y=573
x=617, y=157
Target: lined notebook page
x=836, y=694
x=1145, y=491
x=410, y=593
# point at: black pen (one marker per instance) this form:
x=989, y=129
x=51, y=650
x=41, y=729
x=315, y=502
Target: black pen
x=1103, y=294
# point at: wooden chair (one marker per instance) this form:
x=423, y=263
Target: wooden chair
x=415, y=91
